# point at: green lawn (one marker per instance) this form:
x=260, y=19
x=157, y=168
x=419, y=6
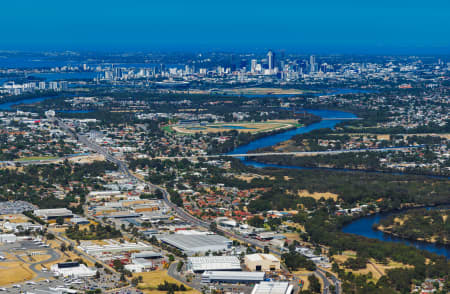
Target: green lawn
x=168, y=129
x=34, y=158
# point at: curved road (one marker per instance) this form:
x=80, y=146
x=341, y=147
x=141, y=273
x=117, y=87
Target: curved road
x=53, y=257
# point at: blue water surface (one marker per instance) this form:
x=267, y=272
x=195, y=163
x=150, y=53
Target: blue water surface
x=363, y=227
x=281, y=137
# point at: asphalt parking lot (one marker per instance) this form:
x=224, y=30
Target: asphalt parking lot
x=37, y=287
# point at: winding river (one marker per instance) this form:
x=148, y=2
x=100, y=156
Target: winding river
x=277, y=138
x=362, y=226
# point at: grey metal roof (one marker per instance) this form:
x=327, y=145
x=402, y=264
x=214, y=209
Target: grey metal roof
x=146, y=254
x=212, y=263
x=233, y=276
x=196, y=242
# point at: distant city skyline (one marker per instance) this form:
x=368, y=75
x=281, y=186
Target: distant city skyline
x=386, y=27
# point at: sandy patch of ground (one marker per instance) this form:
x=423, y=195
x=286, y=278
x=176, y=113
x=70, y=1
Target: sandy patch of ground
x=378, y=270
x=341, y=258
x=14, y=272
x=58, y=230
x=317, y=195
x=152, y=279
x=87, y=158
x=15, y=218
x=303, y=275
x=249, y=177
x=293, y=236
x=38, y=258
x=399, y=220
x=283, y=145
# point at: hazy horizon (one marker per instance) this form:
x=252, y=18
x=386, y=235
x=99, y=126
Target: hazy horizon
x=328, y=27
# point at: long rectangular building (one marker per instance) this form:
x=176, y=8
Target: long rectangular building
x=231, y=277
x=273, y=288
x=93, y=249
x=192, y=244
x=213, y=263
x=48, y=214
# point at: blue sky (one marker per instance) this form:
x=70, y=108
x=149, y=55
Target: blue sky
x=333, y=26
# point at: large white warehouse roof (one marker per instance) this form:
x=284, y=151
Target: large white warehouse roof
x=272, y=288
x=197, y=243
x=213, y=263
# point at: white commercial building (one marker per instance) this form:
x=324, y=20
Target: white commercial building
x=72, y=269
x=273, y=288
x=8, y=238
x=21, y=227
x=226, y=222
x=213, y=263
x=192, y=244
x=262, y=262
x=48, y=214
x=113, y=246
x=139, y=265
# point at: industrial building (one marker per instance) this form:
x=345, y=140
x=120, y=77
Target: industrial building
x=226, y=222
x=213, y=263
x=72, y=269
x=192, y=244
x=49, y=214
x=147, y=255
x=113, y=246
x=273, y=288
x=8, y=238
x=262, y=262
x=140, y=265
x=231, y=277
x=21, y=227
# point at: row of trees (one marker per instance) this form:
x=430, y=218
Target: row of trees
x=95, y=232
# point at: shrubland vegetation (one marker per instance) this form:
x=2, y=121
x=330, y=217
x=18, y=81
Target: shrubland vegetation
x=419, y=224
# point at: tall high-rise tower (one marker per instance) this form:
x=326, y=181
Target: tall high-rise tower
x=271, y=59
x=253, y=65
x=312, y=63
